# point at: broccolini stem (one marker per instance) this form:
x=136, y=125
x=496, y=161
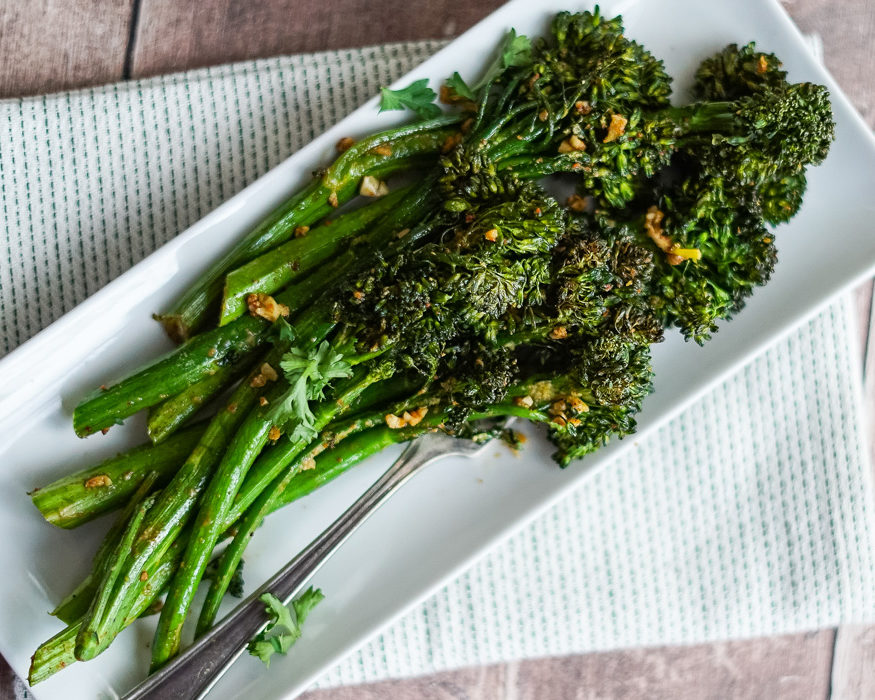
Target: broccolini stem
x=708, y=117
x=338, y=184
x=76, y=603
x=219, y=495
x=109, y=569
x=57, y=653
x=81, y=497
x=170, y=415
x=197, y=359
x=270, y=498
x=164, y=522
x=169, y=375
x=348, y=446
x=277, y=267
x=202, y=355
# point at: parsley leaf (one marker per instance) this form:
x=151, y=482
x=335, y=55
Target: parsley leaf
x=307, y=373
x=515, y=50
x=282, y=331
x=285, y=626
x=460, y=87
x=417, y=97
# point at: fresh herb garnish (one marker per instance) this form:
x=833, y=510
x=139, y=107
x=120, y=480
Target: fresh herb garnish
x=457, y=84
x=417, y=97
x=515, y=50
x=282, y=331
x=308, y=372
x=286, y=624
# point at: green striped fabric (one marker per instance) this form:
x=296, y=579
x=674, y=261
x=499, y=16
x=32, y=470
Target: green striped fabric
x=750, y=514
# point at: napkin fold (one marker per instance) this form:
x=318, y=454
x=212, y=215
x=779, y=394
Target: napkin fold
x=749, y=514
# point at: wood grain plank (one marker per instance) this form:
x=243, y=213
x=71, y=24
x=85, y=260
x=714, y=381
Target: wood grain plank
x=852, y=675
x=7, y=681
x=49, y=45
x=847, y=28
x=793, y=667
x=172, y=35
x=863, y=316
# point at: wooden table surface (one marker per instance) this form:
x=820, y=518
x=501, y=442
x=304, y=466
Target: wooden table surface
x=49, y=45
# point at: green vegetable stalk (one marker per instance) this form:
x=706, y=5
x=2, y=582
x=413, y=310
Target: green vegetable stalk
x=171, y=414
x=117, y=594
x=83, y=496
x=379, y=156
x=285, y=405
x=58, y=652
x=202, y=356
x=279, y=266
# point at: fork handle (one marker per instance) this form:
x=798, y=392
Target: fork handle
x=194, y=672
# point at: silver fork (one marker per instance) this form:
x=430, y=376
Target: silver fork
x=194, y=672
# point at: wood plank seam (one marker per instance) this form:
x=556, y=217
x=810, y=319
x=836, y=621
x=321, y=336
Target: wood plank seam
x=133, y=24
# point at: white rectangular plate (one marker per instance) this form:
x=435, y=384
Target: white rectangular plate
x=444, y=519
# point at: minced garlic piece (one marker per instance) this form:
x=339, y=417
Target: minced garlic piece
x=451, y=142
x=572, y=144
x=410, y=418
x=576, y=203
x=577, y=404
x=97, y=481
x=344, y=144
x=394, y=422
x=674, y=253
x=687, y=253
x=524, y=401
x=557, y=408
x=616, y=128
x=266, y=374
x=266, y=307
x=415, y=416
x=274, y=433
x=491, y=235
x=559, y=333
x=384, y=149
x=372, y=187
x=576, y=143
x=301, y=231
x=332, y=200
x=653, y=228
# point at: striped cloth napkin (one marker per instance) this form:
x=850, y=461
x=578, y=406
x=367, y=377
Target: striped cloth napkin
x=749, y=514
